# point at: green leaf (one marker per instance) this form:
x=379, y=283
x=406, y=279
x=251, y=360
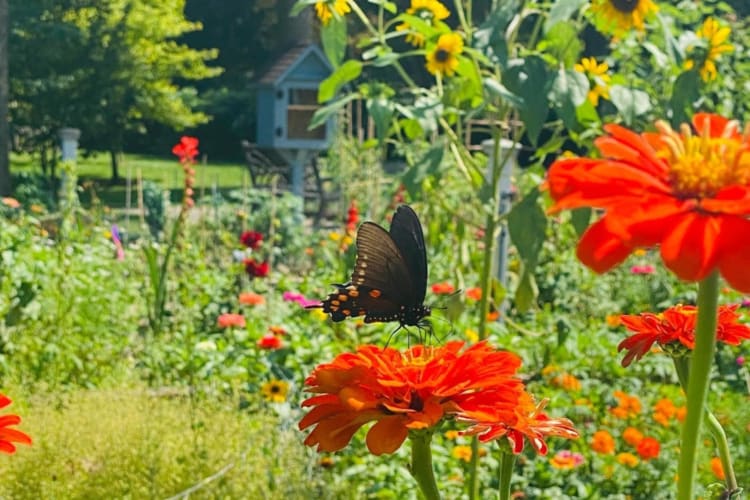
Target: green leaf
x=526, y=292
x=569, y=90
x=630, y=103
x=490, y=37
x=333, y=38
x=387, y=6
x=498, y=89
x=685, y=92
x=563, y=42
x=527, y=225
x=580, y=218
x=345, y=73
x=381, y=111
x=530, y=79
x=562, y=10
x=323, y=114
x=428, y=164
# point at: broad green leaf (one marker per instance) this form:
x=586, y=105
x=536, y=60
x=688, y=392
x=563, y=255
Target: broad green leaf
x=345, y=73
x=685, y=92
x=323, y=114
x=580, y=218
x=569, y=90
x=490, y=37
x=530, y=79
x=381, y=111
x=562, y=10
x=564, y=43
x=427, y=165
x=333, y=38
x=498, y=89
x=526, y=292
x=630, y=103
x=527, y=225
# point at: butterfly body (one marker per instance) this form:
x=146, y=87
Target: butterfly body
x=389, y=280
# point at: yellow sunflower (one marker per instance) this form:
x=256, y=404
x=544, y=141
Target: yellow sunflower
x=715, y=37
x=443, y=58
x=598, y=78
x=275, y=391
x=326, y=8
x=430, y=11
x=619, y=16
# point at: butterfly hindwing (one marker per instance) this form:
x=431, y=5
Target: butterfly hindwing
x=406, y=232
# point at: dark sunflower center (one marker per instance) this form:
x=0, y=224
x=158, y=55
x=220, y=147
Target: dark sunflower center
x=275, y=389
x=442, y=55
x=626, y=6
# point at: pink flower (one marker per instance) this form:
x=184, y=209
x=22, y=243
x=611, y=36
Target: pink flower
x=299, y=299
x=270, y=341
x=643, y=269
x=228, y=320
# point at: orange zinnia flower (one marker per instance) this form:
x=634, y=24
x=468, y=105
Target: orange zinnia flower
x=603, y=442
x=628, y=406
x=405, y=391
x=717, y=468
x=443, y=288
x=664, y=410
x=526, y=420
x=632, y=436
x=251, y=299
x=474, y=293
x=9, y=436
x=228, y=320
x=687, y=191
x=677, y=324
x=648, y=448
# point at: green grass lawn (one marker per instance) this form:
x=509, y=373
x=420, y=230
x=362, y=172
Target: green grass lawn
x=95, y=173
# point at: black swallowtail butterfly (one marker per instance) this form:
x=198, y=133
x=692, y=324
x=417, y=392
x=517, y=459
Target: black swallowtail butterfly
x=390, y=275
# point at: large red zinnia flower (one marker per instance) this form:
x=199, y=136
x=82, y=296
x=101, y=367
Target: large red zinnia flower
x=677, y=324
x=405, y=391
x=9, y=436
x=687, y=191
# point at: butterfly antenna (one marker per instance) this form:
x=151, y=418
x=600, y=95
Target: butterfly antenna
x=393, y=334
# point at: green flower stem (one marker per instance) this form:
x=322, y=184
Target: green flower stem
x=507, y=461
x=701, y=362
x=421, y=464
x=714, y=427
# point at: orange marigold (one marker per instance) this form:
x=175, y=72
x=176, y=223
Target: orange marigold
x=251, y=299
x=648, y=448
x=603, y=442
x=677, y=324
x=627, y=459
x=9, y=436
x=664, y=410
x=406, y=391
x=632, y=436
x=687, y=191
x=628, y=406
x=567, y=382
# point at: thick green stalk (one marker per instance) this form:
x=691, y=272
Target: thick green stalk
x=507, y=461
x=714, y=427
x=421, y=464
x=701, y=362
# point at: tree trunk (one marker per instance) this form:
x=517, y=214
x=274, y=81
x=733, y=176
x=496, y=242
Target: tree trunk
x=114, y=157
x=5, y=186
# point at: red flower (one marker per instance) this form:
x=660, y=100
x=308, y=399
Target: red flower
x=352, y=217
x=251, y=239
x=643, y=269
x=648, y=448
x=527, y=420
x=256, y=269
x=270, y=341
x=405, y=391
x=474, y=293
x=443, y=288
x=677, y=324
x=187, y=149
x=687, y=191
x=9, y=436
x=228, y=320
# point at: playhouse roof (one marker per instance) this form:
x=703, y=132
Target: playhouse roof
x=308, y=60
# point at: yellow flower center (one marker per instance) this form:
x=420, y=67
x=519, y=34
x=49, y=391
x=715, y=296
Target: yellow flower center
x=701, y=165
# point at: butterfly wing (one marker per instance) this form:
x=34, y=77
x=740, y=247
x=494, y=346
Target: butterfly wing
x=406, y=232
